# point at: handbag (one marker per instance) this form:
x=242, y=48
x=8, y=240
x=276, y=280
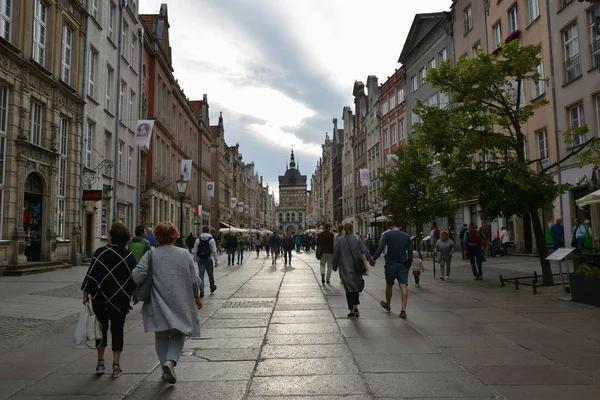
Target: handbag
x=357, y=262
x=93, y=329
x=143, y=291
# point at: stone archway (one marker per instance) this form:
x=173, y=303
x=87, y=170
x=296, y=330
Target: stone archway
x=290, y=229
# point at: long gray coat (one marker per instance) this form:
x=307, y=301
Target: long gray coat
x=343, y=249
x=172, y=304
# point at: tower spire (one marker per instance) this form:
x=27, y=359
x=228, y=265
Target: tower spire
x=292, y=159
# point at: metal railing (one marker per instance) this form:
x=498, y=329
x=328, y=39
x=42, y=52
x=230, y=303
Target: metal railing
x=572, y=68
x=595, y=48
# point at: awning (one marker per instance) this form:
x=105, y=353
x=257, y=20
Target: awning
x=381, y=218
x=592, y=198
x=226, y=225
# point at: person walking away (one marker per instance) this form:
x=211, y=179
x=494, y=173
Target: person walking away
x=298, y=241
x=265, y=243
x=417, y=268
x=205, y=253
x=473, y=242
x=325, y=247
x=274, y=243
x=109, y=283
x=461, y=235
x=487, y=234
x=241, y=245
x=505, y=238
x=189, y=242
x=231, y=242
x=444, y=249
x=287, y=245
x=172, y=312
x=345, y=252
x=150, y=238
x=557, y=233
x=139, y=245
x=578, y=237
x=398, y=261
x=257, y=245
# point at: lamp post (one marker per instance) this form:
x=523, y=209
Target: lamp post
x=181, y=188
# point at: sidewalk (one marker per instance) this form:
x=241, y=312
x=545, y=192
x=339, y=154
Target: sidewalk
x=270, y=332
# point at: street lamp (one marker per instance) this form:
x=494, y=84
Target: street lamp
x=181, y=188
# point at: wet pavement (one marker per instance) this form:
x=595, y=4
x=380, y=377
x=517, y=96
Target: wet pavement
x=270, y=332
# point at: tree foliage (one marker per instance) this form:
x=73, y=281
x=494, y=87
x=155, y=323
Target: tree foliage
x=479, y=140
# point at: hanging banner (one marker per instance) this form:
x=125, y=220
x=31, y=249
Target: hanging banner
x=210, y=189
x=186, y=169
x=233, y=202
x=240, y=206
x=365, y=179
x=197, y=210
x=251, y=210
x=143, y=133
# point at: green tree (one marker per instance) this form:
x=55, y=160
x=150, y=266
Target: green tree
x=479, y=140
x=411, y=190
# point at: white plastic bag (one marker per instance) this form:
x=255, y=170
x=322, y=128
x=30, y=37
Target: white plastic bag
x=80, y=338
x=93, y=329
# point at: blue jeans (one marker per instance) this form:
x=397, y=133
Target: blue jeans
x=476, y=259
x=240, y=257
x=206, y=266
x=169, y=345
x=230, y=256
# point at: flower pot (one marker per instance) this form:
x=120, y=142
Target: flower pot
x=585, y=289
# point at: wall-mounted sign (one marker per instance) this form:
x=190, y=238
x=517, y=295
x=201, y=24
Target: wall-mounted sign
x=92, y=195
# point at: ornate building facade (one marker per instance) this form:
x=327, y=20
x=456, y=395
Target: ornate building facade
x=292, y=200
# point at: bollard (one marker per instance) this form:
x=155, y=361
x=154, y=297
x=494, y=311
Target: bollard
x=534, y=284
x=516, y=283
x=501, y=280
x=535, y=276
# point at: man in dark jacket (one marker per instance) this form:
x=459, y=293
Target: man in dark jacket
x=287, y=245
x=189, y=241
x=231, y=244
x=473, y=245
x=325, y=248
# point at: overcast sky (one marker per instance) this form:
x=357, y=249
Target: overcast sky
x=281, y=70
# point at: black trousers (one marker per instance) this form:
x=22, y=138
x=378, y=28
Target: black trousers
x=352, y=299
x=286, y=254
x=116, y=319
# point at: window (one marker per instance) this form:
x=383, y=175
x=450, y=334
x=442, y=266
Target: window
x=89, y=140
x=468, y=20
x=401, y=96
x=431, y=64
x=39, y=31
x=130, y=165
x=109, y=83
x=5, y=18
x=393, y=139
x=415, y=119
x=422, y=74
x=572, y=61
x=124, y=30
x=534, y=9
x=386, y=139
x=62, y=178
x=133, y=47
x=597, y=101
x=543, y=147
x=111, y=20
x=576, y=118
x=537, y=89
x=497, y=30
x=92, y=77
x=595, y=36
x=413, y=84
x=35, y=136
x=131, y=109
x=401, y=130
x=385, y=107
x=95, y=9
x=66, y=54
x=513, y=19
x=121, y=161
x=392, y=102
x=564, y=2
x=3, y=130
x=121, y=100
x=433, y=101
x=476, y=48
x=442, y=56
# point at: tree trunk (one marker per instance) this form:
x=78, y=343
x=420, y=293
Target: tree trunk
x=540, y=244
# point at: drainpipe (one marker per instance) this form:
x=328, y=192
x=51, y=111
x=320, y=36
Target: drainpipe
x=485, y=18
x=116, y=161
x=555, y=113
x=82, y=145
x=138, y=149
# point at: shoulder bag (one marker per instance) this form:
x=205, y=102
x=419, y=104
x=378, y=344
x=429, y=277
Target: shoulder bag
x=358, y=262
x=143, y=291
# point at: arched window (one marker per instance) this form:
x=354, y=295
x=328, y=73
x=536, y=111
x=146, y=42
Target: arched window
x=281, y=216
x=300, y=217
x=287, y=217
x=294, y=217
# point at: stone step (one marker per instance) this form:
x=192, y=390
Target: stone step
x=34, y=268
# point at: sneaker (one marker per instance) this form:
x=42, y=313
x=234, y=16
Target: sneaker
x=480, y=277
x=228, y=264
x=212, y=289
x=201, y=295
x=441, y=277
x=446, y=278
x=356, y=313
x=116, y=372
x=100, y=368
x=418, y=285
x=350, y=314
x=384, y=305
x=169, y=372
x=402, y=314
x=328, y=281
x=476, y=278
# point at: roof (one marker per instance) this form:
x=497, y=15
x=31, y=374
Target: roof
x=420, y=28
x=292, y=176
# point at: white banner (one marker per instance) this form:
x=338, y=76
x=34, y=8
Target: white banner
x=240, y=206
x=186, y=169
x=144, y=132
x=233, y=202
x=365, y=179
x=210, y=189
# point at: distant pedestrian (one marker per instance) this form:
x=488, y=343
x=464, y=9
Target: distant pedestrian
x=578, y=236
x=444, y=249
x=241, y=246
x=346, y=252
x=231, y=243
x=325, y=248
x=298, y=241
x=257, y=245
x=287, y=245
x=398, y=261
x=417, y=268
x=275, y=244
x=473, y=242
x=139, y=245
x=171, y=313
x=461, y=236
x=505, y=238
x=150, y=238
x=189, y=241
x=109, y=283
x=265, y=244
x=557, y=233
x=204, y=252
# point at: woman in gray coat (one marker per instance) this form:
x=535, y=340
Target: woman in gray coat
x=345, y=250
x=172, y=312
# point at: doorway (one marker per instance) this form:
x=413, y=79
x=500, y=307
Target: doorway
x=32, y=217
x=89, y=235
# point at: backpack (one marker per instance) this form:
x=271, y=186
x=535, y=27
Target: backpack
x=204, y=251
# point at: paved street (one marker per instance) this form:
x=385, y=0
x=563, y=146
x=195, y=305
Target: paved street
x=270, y=332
